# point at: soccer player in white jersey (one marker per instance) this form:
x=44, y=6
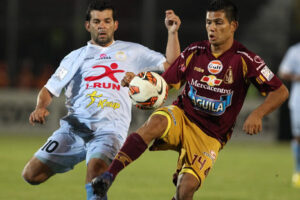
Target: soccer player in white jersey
x=99, y=109
x=290, y=70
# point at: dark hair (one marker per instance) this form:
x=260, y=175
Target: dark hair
x=228, y=6
x=100, y=5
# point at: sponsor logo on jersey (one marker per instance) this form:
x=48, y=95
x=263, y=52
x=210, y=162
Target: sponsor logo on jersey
x=212, y=155
x=228, y=78
x=210, y=88
x=61, y=73
x=207, y=105
x=101, y=103
x=103, y=56
x=121, y=56
x=103, y=85
x=211, y=80
x=267, y=73
x=109, y=72
x=215, y=67
x=199, y=69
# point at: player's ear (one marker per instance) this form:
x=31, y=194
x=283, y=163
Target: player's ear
x=87, y=25
x=234, y=25
x=116, y=25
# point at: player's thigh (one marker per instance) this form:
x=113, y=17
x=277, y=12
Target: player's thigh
x=62, y=151
x=187, y=185
x=153, y=128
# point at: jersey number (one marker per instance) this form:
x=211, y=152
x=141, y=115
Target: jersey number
x=200, y=160
x=50, y=146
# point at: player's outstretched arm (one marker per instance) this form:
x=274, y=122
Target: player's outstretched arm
x=172, y=22
x=43, y=101
x=289, y=76
x=253, y=123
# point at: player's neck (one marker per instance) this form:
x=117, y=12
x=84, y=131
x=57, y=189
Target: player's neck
x=219, y=49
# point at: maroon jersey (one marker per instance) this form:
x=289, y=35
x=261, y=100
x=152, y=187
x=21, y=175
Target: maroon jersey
x=215, y=88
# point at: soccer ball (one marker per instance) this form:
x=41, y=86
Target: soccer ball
x=148, y=90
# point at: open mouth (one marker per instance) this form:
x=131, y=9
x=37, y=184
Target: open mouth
x=211, y=37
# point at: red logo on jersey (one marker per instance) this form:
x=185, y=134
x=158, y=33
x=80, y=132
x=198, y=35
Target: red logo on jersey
x=109, y=72
x=215, y=67
x=211, y=80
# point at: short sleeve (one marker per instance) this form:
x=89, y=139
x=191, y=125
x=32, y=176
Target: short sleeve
x=149, y=60
x=261, y=75
x=64, y=73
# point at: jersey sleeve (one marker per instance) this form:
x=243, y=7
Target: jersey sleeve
x=175, y=74
x=260, y=74
x=149, y=60
x=290, y=62
x=64, y=73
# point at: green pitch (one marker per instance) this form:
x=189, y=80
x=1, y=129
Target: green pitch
x=243, y=171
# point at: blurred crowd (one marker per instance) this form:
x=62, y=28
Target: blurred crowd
x=28, y=75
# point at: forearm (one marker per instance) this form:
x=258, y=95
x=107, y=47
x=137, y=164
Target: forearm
x=272, y=101
x=44, y=98
x=173, y=47
x=289, y=77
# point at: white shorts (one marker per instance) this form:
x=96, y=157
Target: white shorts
x=295, y=122
x=64, y=149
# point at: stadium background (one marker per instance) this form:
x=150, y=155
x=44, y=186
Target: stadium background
x=35, y=35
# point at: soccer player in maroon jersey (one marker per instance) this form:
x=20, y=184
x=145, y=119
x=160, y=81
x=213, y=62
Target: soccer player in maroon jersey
x=217, y=74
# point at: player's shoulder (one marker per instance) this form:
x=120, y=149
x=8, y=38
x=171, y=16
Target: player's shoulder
x=195, y=47
x=245, y=53
x=128, y=44
x=76, y=53
x=295, y=47
x=198, y=46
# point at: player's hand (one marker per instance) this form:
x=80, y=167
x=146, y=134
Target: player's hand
x=253, y=123
x=38, y=116
x=172, y=21
x=127, y=79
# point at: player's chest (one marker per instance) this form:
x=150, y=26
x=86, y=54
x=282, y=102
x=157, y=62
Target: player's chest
x=221, y=73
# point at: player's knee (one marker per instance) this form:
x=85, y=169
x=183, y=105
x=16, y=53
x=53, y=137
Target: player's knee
x=185, y=192
x=95, y=168
x=35, y=172
x=186, y=189
x=30, y=178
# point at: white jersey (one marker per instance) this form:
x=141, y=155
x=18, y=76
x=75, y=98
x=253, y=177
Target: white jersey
x=291, y=65
x=92, y=75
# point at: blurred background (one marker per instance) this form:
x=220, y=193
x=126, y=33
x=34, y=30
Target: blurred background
x=35, y=35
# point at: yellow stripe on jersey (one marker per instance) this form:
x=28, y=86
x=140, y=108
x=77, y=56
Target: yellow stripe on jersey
x=245, y=69
x=169, y=121
x=189, y=58
x=176, y=85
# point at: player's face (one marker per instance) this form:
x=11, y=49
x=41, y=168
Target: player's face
x=102, y=27
x=219, y=30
